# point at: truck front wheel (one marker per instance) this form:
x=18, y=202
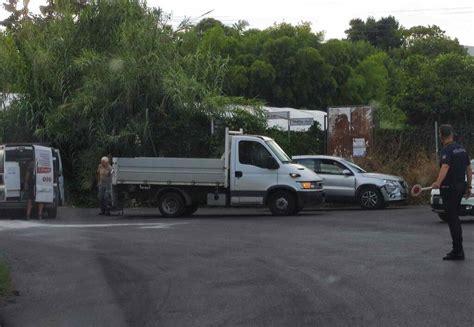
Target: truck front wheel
x=282, y=203
x=171, y=205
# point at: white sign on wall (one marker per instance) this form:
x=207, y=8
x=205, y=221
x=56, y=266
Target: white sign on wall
x=301, y=121
x=359, y=147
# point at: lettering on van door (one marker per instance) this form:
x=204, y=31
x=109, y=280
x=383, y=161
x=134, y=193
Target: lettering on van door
x=44, y=175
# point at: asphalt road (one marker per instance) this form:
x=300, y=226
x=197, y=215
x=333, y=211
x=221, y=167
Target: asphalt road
x=238, y=268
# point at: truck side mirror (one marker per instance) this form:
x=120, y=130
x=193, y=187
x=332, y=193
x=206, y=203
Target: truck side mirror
x=272, y=163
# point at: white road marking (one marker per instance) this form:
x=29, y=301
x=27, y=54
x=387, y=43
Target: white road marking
x=161, y=226
x=19, y=224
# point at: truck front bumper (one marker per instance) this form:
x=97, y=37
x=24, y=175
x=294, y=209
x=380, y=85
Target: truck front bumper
x=311, y=198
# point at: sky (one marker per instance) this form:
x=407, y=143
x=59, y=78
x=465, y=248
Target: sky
x=456, y=17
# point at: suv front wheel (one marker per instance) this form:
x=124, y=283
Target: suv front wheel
x=370, y=198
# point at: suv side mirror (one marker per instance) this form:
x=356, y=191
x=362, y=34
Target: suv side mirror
x=347, y=172
x=272, y=163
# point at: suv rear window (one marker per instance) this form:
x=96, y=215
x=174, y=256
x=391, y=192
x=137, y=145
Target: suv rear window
x=308, y=163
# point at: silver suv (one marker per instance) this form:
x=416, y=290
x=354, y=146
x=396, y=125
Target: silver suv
x=344, y=181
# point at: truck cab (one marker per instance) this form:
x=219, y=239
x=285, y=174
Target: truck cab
x=261, y=173
x=49, y=183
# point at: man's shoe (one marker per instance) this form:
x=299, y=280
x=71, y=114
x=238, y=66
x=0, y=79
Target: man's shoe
x=454, y=256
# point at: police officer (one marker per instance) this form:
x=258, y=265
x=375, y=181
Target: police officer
x=451, y=181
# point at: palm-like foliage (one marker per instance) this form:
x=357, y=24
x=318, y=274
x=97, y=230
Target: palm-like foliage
x=107, y=79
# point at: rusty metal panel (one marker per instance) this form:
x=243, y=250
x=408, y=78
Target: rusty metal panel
x=350, y=131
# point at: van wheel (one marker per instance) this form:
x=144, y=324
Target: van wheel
x=171, y=205
x=190, y=210
x=282, y=203
x=370, y=198
x=52, y=212
x=443, y=216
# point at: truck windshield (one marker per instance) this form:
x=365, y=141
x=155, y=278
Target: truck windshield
x=282, y=156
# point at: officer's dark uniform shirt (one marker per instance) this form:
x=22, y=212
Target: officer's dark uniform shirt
x=455, y=156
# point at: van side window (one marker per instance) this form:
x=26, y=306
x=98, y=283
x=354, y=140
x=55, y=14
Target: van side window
x=253, y=153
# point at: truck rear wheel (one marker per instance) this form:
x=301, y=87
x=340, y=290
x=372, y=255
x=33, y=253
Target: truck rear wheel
x=282, y=203
x=171, y=205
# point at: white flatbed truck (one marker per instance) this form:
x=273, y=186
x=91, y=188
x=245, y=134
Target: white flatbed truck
x=253, y=172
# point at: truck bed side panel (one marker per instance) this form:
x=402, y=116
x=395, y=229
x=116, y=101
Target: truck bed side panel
x=169, y=171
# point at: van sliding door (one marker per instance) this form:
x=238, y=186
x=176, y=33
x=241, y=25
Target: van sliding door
x=44, y=174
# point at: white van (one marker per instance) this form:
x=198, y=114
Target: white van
x=49, y=180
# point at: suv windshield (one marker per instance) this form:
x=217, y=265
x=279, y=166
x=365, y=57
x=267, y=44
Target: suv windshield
x=355, y=167
x=282, y=156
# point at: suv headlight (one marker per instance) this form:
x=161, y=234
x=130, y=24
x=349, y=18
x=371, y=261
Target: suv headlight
x=391, y=186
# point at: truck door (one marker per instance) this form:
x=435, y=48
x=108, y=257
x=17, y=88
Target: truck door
x=3, y=190
x=251, y=174
x=44, y=174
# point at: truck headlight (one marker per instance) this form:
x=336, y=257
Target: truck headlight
x=306, y=185
x=311, y=185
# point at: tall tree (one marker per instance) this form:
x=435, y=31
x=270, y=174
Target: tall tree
x=16, y=12
x=430, y=41
x=384, y=33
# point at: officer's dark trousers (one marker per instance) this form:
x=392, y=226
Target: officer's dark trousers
x=452, y=197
